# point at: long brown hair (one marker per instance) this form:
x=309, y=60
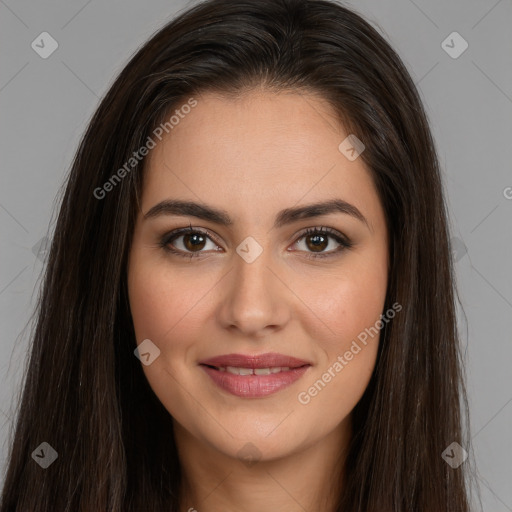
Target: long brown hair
x=113, y=437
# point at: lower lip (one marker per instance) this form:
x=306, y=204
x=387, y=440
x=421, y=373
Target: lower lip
x=254, y=386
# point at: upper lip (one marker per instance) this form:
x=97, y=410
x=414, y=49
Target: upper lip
x=269, y=360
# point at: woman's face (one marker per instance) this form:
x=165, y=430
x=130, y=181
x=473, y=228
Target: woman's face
x=249, y=330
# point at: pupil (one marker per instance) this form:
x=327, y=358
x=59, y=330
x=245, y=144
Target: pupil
x=194, y=244
x=317, y=241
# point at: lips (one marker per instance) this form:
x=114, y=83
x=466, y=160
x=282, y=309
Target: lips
x=270, y=360
x=254, y=376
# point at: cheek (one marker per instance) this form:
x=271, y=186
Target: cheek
x=346, y=311
x=349, y=355
x=343, y=304
x=166, y=311
x=163, y=302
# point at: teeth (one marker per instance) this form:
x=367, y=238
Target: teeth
x=239, y=371
x=249, y=371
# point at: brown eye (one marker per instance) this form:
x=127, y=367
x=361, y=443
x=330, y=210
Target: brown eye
x=193, y=241
x=187, y=242
x=317, y=240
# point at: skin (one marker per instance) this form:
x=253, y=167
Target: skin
x=252, y=157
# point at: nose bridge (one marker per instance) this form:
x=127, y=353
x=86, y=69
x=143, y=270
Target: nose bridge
x=252, y=265
x=254, y=298
x=252, y=262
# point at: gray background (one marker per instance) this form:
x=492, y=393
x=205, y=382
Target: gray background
x=45, y=104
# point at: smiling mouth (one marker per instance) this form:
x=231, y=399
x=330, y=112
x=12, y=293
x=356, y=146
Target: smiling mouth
x=253, y=382
x=253, y=371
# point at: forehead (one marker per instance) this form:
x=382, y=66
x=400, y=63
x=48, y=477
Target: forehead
x=259, y=149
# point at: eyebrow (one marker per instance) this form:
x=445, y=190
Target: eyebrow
x=284, y=217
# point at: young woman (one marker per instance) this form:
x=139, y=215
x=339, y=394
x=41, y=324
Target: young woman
x=249, y=299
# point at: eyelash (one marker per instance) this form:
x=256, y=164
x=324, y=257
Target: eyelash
x=342, y=240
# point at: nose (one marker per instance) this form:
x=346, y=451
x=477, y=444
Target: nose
x=255, y=299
